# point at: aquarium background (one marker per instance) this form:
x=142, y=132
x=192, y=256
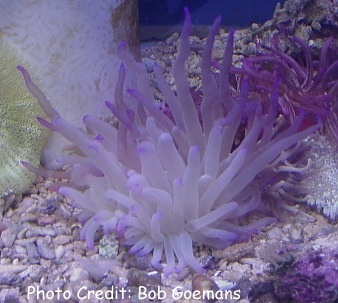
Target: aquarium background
x=160, y=18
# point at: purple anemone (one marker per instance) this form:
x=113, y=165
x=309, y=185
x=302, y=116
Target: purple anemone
x=165, y=183
x=305, y=84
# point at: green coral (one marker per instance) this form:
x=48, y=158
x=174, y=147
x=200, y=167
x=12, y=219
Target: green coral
x=21, y=136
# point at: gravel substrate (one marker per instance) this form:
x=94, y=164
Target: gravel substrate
x=41, y=251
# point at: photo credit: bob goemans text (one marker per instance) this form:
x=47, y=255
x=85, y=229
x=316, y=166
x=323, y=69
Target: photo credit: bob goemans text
x=122, y=293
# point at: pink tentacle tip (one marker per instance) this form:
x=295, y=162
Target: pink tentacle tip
x=24, y=73
x=187, y=22
x=122, y=68
x=108, y=104
x=25, y=164
x=46, y=124
x=187, y=13
x=21, y=69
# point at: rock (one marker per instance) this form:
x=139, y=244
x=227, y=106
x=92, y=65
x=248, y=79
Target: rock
x=32, y=252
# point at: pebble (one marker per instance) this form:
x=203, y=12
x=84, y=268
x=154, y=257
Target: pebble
x=8, y=237
x=23, y=242
x=45, y=263
x=10, y=278
x=7, y=252
x=9, y=213
x=202, y=283
x=209, y=262
x=32, y=252
x=49, y=205
x=275, y=233
x=2, y=245
x=2, y=207
x=28, y=217
x=10, y=268
x=141, y=278
x=254, y=26
x=22, y=234
x=77, y=274
x=36, y=272
x=59, y=251
x=27, y=202
x=45, y=250
x=140, y=262
x=185, y=272
x=20, y=249
x=12, y=296
x=46, y=220
x=41, y=231
x=295, y=231
x=109, y=280
x=62, y=239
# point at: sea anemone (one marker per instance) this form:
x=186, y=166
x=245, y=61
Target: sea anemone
x=164, y=181
x=306, y=84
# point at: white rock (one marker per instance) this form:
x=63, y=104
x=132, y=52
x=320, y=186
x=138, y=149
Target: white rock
x=70, y=45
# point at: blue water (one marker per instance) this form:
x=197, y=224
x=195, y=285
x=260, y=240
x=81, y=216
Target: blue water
x=237, y=13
